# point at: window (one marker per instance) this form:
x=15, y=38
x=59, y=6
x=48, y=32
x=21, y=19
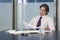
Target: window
x=29, y=1
x=30, y=9
x=45, y=0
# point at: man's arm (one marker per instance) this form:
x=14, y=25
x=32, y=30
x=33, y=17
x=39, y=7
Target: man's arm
x=47, y=28
x=50, y=25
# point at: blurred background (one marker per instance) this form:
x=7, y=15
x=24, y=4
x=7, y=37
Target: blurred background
x=6, y=14
x=25, y=11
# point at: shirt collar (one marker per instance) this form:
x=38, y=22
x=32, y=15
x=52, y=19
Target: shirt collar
x=42, y=16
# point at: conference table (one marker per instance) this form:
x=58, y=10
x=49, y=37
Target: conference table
x=46, y=36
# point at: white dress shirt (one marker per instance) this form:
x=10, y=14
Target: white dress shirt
x=46, y=20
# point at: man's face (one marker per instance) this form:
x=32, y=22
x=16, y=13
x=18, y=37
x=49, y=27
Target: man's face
x=42, y=11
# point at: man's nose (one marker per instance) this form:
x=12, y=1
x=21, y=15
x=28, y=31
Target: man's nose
x=41, y=11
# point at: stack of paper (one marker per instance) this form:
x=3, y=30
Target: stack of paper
x=14, y=32
x=21, y=32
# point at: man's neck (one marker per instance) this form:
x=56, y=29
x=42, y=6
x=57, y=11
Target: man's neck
x=42, y=15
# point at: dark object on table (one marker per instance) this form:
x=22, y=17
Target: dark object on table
x=24, y=34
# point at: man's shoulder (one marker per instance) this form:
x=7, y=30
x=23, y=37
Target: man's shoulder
x=48, y=17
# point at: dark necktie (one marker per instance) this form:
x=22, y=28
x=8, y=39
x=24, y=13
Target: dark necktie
x=39, y=22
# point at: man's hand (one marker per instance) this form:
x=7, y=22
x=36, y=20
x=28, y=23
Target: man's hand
x=47, y=28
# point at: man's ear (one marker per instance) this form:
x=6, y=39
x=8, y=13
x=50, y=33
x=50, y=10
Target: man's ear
x=46, y=13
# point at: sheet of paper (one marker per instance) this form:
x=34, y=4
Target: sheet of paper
x=29, y=26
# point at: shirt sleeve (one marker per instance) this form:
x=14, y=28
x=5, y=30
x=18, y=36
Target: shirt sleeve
x=51, y=24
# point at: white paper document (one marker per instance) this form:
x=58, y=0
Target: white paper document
x=29, y=26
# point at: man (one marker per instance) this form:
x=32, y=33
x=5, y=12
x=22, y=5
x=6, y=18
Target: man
x=43, y=20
